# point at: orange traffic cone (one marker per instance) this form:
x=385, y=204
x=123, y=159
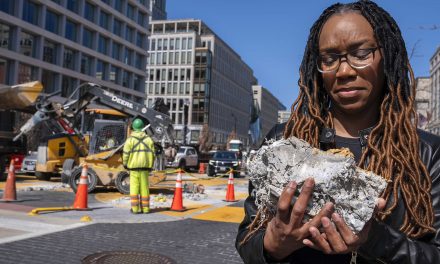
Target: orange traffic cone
x=230, y=193
x=81, y=192
x=10, y=192
x=177, y=204
x=202, y=168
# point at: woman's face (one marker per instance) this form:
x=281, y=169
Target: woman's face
x=352, y=90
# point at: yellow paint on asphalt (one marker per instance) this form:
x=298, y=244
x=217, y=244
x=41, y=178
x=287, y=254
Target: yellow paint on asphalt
x=108, y=197
x=223, y=214
x=189, y=209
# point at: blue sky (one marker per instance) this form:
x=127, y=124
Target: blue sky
x=270, y=36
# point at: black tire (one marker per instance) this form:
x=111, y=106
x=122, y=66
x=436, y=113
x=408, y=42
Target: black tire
x=3, y=175
x=68, y=166
x=76, y=174
x=210, y=171
x=43, y=176
x=122, y=182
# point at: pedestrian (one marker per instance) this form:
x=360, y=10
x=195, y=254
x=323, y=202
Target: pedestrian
x=138, y=159
x=357, y=90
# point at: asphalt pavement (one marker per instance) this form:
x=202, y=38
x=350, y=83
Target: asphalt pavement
x=204, y=233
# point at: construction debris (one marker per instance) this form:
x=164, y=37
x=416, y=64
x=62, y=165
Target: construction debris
x=353, y=191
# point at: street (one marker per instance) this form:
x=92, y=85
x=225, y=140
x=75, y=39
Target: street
x=204, y=232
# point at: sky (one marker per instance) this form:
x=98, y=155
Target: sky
x=270, y=36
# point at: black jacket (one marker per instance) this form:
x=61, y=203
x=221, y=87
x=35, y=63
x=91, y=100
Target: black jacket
x=385, y=244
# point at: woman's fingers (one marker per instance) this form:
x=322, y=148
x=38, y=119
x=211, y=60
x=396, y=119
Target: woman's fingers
x=283, y=207
x=317, y=241
x=344, y=231
x=333, y=237
x=301, y=203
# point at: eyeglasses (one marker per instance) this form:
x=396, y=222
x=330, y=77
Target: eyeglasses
x=358, y=59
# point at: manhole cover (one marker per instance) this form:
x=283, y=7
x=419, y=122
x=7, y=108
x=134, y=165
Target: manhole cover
x=129, y=257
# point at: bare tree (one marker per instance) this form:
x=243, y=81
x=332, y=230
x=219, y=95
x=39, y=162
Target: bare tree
x=205, y=139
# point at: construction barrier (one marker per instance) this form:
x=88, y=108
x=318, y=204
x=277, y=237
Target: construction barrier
x=10, y=191
x=80, y=202
x=202, y=168
x=82, y=192
x=177, y=204
x=230, y=192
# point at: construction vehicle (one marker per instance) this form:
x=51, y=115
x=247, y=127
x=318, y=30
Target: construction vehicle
x=79, y=136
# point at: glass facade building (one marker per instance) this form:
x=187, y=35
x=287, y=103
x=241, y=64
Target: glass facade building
x=64, y=43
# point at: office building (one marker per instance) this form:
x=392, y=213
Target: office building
x=434, y=70
x=269, y=107
x=283, y=116
x=158, y=10
x=201, y=79
x=64, y=43
x=423, y=101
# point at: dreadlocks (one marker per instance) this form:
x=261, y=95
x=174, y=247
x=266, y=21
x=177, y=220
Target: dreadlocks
x=393, y=147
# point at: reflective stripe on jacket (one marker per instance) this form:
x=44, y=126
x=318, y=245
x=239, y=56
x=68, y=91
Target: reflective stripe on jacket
x=138, y=151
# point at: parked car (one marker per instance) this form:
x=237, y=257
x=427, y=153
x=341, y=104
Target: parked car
x=29, y=163
x=222, y=162
x=186, y=157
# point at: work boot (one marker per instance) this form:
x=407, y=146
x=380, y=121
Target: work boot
x=134, y=212
x=146, y=210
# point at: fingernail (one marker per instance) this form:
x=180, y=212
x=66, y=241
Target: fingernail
x=292, y=184
x=325, y=222
x=336, y=217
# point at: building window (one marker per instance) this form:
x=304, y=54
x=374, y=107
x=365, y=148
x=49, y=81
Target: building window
x=27, y=43
x=87, y=38
x=104, y=20
x=165, y=44
x=177, y=43
x=67, y=86
x=116, y=51
x=5, y=36
x=48, y=81
x=3, y=71
x=103, y=45
x=190, y=43
x=129, y=33
x=172, y=44
x=101, y=70
x=50, y=52
x=89, y=12
x=126, y=79
x=140, y=40
x=137, y=83
x=117, y=5
x=138, y=61
x=117, y=27
x=114, y=74
x=69, y=59
x=86, y=64
x=189, y=57
x=31, y=12
x=7, y=6
x=72, y=5
x=130, y=12
x=184, y=43
x=71, y=30
x=26, y=73
x=128, y=57
x=52, y=22
x=159, y=44
x=141, y=18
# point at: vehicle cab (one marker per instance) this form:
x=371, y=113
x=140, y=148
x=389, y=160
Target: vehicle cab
x=186, y=157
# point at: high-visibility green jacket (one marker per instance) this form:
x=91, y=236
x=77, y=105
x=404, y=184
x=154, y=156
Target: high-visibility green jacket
x=138, y=151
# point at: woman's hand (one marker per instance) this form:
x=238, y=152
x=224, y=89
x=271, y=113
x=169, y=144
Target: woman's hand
x=285, y=232
x=337, y=237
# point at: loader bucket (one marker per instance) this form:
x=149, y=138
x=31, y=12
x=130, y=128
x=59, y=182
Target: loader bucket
x=19, y=96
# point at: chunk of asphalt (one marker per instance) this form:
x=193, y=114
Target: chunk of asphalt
x=353, y=191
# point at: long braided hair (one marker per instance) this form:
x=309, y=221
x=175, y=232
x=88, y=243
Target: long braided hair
x=393, y=145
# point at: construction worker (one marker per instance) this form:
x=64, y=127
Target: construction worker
x=138, y=158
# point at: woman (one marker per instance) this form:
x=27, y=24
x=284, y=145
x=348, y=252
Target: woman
x=356, y=91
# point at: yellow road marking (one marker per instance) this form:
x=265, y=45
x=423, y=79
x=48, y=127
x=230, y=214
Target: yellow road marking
x=223, y=214
x=188, y=210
